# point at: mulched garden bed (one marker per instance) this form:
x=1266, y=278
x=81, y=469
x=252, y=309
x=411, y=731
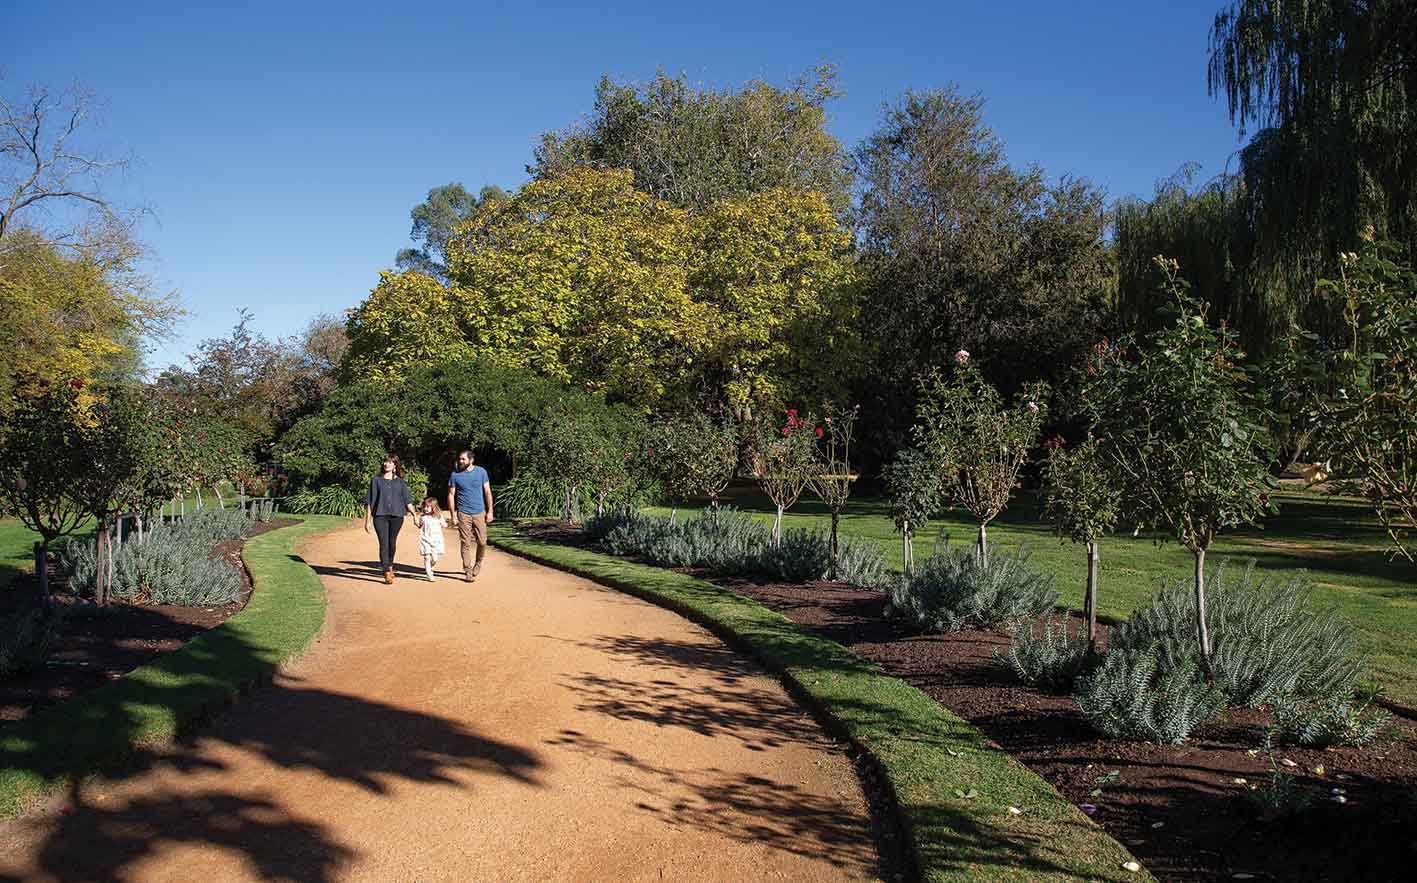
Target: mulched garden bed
x=98, y=645
x=1182, y=809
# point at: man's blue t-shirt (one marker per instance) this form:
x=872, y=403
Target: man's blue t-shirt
x=468, y=496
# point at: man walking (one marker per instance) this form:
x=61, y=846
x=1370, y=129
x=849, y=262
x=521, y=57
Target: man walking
x=470, y=503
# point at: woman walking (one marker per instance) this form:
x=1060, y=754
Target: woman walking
x=385, y=505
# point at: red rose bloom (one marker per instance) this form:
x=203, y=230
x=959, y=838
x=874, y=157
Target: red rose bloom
x=819, y=432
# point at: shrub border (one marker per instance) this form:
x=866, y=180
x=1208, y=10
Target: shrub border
x=928, y=757
x=103, y=728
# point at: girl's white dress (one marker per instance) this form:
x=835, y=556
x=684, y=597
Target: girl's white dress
x=430, y=536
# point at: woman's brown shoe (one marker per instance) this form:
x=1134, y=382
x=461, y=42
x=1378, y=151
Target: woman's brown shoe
x=389, y=577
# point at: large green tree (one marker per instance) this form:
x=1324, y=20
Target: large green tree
x=1329, y=88
x=962, y=250
x=693, y=146
x=434, y=221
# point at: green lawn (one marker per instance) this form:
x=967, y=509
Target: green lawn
x=1336, y=541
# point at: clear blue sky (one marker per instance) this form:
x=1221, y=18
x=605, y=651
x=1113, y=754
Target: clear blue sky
x=281, y=146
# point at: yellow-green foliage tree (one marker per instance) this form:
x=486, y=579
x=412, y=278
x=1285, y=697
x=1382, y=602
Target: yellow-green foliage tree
x=580, y=277
x=775, y=272
x=584, y=279
x=63, y=318
x=408, y=319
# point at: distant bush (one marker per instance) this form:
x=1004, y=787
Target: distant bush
x=1129, y=696
x=170, y=566
x=530, y=494
x=1046, y=656
x=25, y=638
x=733, y=544
x=329, y=500
x=1269, y=642
x=958, y=588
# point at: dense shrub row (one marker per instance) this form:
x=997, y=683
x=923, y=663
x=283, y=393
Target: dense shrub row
x=170, y=566
x=732, y=543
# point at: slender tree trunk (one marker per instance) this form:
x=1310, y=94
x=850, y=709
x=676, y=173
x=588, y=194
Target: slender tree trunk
x=673, y=515
x=777, y=528
x=983, y=545
x=905, y=548
x=831, y=575
x=216, y=489
x=1089, y=606
x=140, y=528
x=100, y=576
x=199, y=498
x=41, y=569
x=1202, y=624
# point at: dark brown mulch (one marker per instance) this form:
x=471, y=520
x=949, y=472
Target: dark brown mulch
x=100, y=644
x=1180, y=809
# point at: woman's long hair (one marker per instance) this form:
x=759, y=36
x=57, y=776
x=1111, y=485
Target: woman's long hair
x=398, y=465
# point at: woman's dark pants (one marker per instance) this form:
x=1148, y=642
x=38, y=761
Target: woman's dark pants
x=387, y=528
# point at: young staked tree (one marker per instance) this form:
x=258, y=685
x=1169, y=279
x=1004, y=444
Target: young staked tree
x=831, y=482
x=1177, y=426
x=694, y=456
x=1368, y=423
x=1083, y=503
x=976, y=441
x=913, y=485
x=784, y=460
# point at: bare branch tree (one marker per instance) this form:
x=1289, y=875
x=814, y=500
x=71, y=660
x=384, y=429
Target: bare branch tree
x=45, y=166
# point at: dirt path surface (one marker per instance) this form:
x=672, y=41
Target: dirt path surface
x=531, y=726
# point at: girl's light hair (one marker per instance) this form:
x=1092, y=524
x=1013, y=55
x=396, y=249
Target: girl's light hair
x=434, y=500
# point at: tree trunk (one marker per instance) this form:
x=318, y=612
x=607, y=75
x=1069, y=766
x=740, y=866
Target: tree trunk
x=199, y=498
x=905, y=549
x=182, y=501
x=216, y=489
x=1202, y=626
x=777, y=528
x=673, y=515
x=832, y=571
x=100, y=576
x=983, y=545
x=139, y=518
x=41, y=569
x=1089, y=606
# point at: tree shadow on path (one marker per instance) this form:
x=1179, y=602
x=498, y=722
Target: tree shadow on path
x=374, y=745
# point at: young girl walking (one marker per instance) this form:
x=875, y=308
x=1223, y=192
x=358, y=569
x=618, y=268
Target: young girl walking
x=430, y=535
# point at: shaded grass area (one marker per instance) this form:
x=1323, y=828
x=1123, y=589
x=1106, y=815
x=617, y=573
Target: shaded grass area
x=99, y=729
x=1337, y=541
x=952, y=791
x=16, y=551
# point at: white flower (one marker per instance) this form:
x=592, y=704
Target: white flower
x=1033, y=407
x=961, y=357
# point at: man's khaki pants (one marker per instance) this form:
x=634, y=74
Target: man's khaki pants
x=472, y=529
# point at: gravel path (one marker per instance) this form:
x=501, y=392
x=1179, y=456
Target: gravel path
x=531, y=726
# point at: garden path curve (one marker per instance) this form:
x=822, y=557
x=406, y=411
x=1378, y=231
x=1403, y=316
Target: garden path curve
x=532, y=726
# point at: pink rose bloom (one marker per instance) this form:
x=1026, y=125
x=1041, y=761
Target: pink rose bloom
x=961, y=357
x=1033, y=407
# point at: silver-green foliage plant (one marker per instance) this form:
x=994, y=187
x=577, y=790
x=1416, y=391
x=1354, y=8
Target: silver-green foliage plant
x=1270, y=642
x=733, y=544
x=1083, y=503
x=1046, y=656
x=1130, y=696
x=957, y=588
x=1333, y=720
x=977, y=442
x=171, y=566
x=25, y=638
